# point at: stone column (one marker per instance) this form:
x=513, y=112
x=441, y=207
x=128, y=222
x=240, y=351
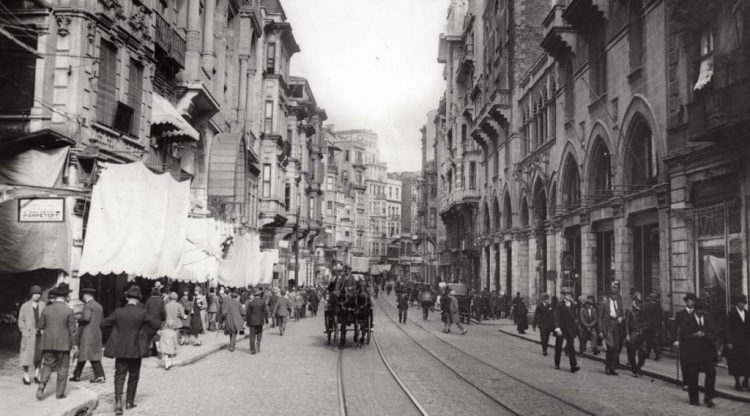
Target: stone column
x=243, y=91
x=531, y=284
x=208, y=57
x=588, y=266
x=193, y=41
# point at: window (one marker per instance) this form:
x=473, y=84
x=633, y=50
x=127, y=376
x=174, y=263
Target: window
x=106, y=99
x=433, y=217
x=268, y=118
x=329, y=183
x=707, y=41
x=135, y=92
x=287, y=195
x=271, y=58
x=635, y=35
x=17, y=74
x=472, y=175
x=266, y=181
x=641, y=164
x=598, y=63
x=602, y=175
x=572, y=185
x=329, y=207
x=346, y=155
x=311, y=213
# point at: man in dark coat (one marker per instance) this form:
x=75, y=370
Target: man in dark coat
x=313, y=300
x=58, y=326
x=155, y=309
x=654, y=314
x=272, y=301
x=128, y=343
x=635, y=326
x=566, y=328
x=611, y=317
x=738, y=342
x=695, y=332
x=232, y=318
x=255, y=312
x=543, y=320
x=90, y=337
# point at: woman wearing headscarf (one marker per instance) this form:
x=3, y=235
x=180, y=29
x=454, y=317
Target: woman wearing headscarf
x=31, y=335
x=231, y=315
x=174, y=312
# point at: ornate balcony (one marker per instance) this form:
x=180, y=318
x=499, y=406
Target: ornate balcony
x=559, y=37
x=720, y=114
x=582, y=13
x=170, y=42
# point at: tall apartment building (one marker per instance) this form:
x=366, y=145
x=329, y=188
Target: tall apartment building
x=431, y=229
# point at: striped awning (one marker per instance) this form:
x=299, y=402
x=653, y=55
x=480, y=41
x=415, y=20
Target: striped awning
x=169, y=122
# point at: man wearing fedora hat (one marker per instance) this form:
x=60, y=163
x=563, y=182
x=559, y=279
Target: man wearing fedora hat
x=58, y=327
x=90, y=337
x=255, y=312
x=128, y=344
x=695, y=334
x=31, y=335
x=566, y=328
x=611, y=318
x=738, y=342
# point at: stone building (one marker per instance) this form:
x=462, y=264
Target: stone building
x=707, y=132
x=430, y=229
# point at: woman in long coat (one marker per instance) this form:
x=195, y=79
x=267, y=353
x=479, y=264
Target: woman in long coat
x=174, y=312
x=232, y=316
x=738, y=343
x=31, y=337
x=522, y=319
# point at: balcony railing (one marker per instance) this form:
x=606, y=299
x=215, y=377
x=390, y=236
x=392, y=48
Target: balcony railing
x=720, y=113
x=170, y=41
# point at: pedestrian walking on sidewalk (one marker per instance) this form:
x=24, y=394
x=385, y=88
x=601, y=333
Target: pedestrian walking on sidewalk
x=200, y=305
x=427, y=300
x=314, y=301
x=566, y=328
x=255, y=311
x=281, y=311
x=697, y=350
x=90, y=337
x=155, y=308
x=272, y=301
x=635, y=325
x=652, y=335
x=587, y=323
x=168, y=341
x=543, y=320
x=610, y=329
x=232, y=318
x=738, y=343
x=402, y=304
x=455, y=313
x=58, y=326
x=31, y=334
x=522, y=316
x=213, y=308
x=128, y=344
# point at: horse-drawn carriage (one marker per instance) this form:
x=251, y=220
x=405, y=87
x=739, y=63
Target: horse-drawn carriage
x=348, y=304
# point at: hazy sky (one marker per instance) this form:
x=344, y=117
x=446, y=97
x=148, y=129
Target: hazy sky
x=372, y=64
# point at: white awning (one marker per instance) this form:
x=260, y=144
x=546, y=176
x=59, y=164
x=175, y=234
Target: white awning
x=164, y=115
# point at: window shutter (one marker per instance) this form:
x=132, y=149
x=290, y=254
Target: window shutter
x=106, y=101
x=135, y=94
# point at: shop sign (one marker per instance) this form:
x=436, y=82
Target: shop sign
x=41, y=210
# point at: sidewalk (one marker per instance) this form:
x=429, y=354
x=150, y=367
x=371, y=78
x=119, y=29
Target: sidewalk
x=664, y=369
x=83, y=396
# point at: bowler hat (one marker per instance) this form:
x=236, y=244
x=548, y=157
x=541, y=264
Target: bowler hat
x=35, y=290
x=89, y=290
x=690, y=296
x=134, y=292
x=62, y=289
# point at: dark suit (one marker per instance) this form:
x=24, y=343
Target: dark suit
x=611, y=330
x=564, y=318
x=90, y=339
x=58, y=327
x=543, y=320
x=272, y=301
x=588, y=331
x=281, y=312
x=635, y=324
x=697, y=352
x=127, y=344
x=255, y=312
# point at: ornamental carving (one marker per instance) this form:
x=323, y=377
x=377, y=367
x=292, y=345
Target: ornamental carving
x=113, y=9
x=63, y=25
x=139, y=21
x=91, y=31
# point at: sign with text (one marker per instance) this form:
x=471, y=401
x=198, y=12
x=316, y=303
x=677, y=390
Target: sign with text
x=41, y=210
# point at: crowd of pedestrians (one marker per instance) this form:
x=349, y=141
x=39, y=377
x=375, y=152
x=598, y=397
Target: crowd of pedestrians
x=52, y=335
x=609, y=325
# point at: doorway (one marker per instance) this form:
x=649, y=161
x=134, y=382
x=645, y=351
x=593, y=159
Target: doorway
x=572, y=260
x=508, y=268
x=646, y=272
x=605, y=260
x=497, y=266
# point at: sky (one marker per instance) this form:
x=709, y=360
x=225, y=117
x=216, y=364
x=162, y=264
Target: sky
x=372, y=64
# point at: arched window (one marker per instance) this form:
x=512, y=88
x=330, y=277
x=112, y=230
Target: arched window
x=601, y=173
x=508, y=212
x=524, y=213
x=496, y=215
x=553, y=200
x=571, y=191
x=486, y=218
x=540, y=202
x=641, y=163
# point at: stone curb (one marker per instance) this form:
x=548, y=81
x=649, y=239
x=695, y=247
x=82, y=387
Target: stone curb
x=660, y=376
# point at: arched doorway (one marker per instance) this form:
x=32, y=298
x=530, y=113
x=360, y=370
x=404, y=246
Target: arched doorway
x=571, y=200
x=539, y=217
x=508, y=211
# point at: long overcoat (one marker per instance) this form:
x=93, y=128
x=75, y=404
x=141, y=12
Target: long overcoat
x=130, y=327
x=59, y=327
x=28, y=328
x=232, y=315
x=739, y=337
x=89, y=332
